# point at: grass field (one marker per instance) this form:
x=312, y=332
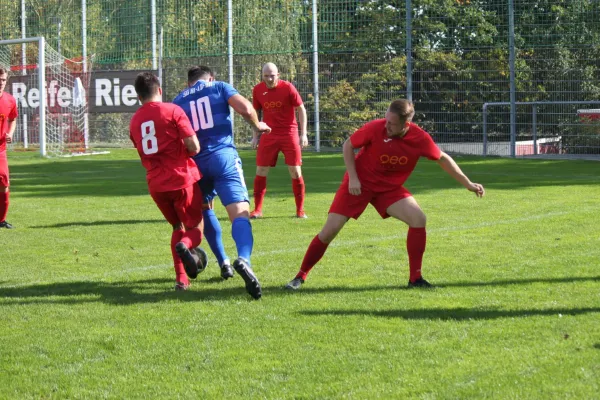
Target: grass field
x=87, y=308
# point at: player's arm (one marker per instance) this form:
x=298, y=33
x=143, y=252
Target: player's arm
x=302, y=120
x=186, y=132
x=192, y=145
x=12, y=124
x=354, y=182
x=243, y=107
x=450, y=166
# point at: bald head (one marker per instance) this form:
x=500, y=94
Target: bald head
x=270, y=75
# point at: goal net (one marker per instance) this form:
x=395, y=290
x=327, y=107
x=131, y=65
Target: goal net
x=51, y=93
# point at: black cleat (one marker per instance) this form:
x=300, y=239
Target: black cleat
x=190, y=260
x=294, y=284
x=226, y=270
x=252, y=285
x=420, y=283
x=202, y=259
x=6, y=225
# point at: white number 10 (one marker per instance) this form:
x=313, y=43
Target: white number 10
x=201, y=114
x=149, y=142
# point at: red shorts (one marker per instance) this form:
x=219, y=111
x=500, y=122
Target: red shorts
x=270, y=145
x=183, y=205
x=352, y=206
x=4, y=181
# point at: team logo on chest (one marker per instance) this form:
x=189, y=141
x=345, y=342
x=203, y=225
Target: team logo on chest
x=388, y=160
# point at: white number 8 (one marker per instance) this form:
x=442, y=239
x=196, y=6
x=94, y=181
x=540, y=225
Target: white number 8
x=149, y=142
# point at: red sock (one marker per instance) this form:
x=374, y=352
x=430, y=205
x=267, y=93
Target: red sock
x=415, y=244
x=260, y=188
x=314, y=253
x=180, y=274
x=298, y=187
x=4, y=205
x=192, y=238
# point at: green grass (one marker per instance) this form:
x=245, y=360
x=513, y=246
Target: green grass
x=87, y=308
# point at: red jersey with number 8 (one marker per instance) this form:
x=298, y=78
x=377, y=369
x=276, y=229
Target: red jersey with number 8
x=383, y=161
x=157, y=131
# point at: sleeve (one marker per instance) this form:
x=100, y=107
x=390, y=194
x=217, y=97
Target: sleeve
x=295, y=98
x=131, y=134
x=13, y=114
x=255, y=103
x=184, y=127
x=428, y=147
x=362, y=136
x=228, y=90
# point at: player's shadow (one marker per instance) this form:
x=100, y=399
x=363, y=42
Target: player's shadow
x=99, y=223
x=453, y=314
x=119, y=293
x=444, y=285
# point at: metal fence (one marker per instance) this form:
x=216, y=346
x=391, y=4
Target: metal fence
x=505, y=77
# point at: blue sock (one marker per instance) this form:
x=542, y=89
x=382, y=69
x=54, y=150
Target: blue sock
x=213, y=235
x=241, y=231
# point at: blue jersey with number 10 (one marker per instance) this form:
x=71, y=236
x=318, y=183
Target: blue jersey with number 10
x=206, y=106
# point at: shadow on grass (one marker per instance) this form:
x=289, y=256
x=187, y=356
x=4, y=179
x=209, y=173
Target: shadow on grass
x=98, y=223
x=454, y=314
x=207, y=289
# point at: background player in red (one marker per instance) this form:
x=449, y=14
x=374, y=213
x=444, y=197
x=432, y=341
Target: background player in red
x=390, y=149
x=165, y=140
x=8, y=123
x=278, y=101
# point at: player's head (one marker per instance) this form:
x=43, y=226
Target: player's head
x=270, y=75
x=147, y=87
x=3, y=78
x=200, y=73
x=398, y=117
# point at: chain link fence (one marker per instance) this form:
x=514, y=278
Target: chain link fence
x=496, y=77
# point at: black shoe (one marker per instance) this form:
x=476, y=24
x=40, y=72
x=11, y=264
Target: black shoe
x=202, y=258
x=226, y=270
x=420, y=283
x=252, y=285
x=6, y=225
x=294, y=284
x=190, y=260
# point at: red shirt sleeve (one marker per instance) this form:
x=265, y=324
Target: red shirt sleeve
x=362, y=136
x=12, y=115
x=295, y=98
x=428, y=147
x=183, y=123
x=255, y=103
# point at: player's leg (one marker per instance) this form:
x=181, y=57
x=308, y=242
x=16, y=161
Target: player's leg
x=212, y=228
x=234, y=196
x=4, y=193
x=409, y=211
x=293, y=159
x=266, y=157
x=188, y=206
x=165, y=204
x=344, y=207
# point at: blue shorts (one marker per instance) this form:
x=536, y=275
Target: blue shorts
x=222, y=175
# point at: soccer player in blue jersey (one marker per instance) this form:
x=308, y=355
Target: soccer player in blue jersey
x=206, y=103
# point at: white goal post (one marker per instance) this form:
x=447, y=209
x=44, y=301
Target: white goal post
x=51, y=96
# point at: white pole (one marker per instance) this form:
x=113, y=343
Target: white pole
x=153, y=15
x=42, y=89
x=86, y=122
x=160, y=56
x=230, y=53
x=316, y=75
x=23, y=63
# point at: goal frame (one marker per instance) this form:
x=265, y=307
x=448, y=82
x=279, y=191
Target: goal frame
x=41, y=83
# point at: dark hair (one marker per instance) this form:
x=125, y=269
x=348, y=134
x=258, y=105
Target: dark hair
x=146, y=85
x=199, y=72
x=3, y=71
x=404, y=109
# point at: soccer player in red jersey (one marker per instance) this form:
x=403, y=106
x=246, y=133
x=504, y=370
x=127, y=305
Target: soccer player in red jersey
x=8, y=123
x=389, y=151
x=278, y=101
x=165, y=140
